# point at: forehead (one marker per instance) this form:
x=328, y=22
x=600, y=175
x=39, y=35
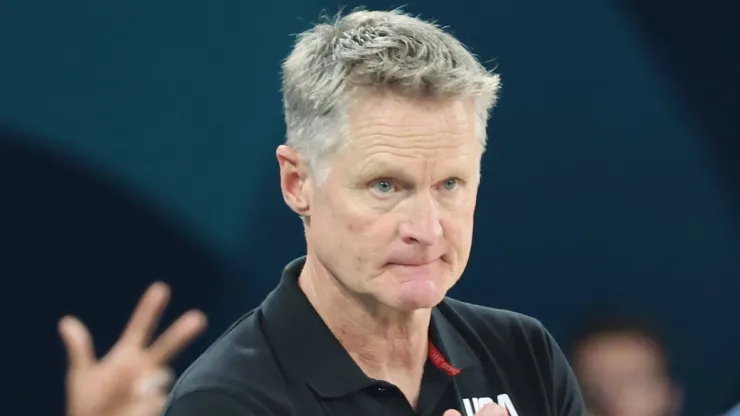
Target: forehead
x=621, y=351
x=425, y=126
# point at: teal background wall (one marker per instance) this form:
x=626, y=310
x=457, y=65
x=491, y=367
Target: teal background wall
x=600, y=186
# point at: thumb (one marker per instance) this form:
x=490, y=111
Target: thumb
x=452, y=413
x=77, y=341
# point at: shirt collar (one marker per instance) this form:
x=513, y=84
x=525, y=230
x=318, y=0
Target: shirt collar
x=444, y=335
x=308, y=348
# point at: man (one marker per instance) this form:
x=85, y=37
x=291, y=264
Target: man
x=386, y=125
x=132, y=379
x=622, y=365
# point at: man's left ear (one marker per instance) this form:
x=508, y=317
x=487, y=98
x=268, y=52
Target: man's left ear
x=295, y=182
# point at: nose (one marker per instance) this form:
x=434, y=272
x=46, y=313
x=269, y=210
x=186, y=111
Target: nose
x=422, y=224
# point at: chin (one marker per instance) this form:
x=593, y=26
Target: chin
x=414, y=295
x=410, y=305
x=408, y=288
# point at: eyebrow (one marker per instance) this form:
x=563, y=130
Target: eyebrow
x=381, y=168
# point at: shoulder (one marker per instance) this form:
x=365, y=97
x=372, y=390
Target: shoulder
x=493, y=324
x=521, y=347
x=237, y=374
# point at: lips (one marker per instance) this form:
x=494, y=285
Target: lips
x=412, y=263
x=418, y=259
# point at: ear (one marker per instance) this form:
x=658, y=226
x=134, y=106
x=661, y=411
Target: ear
x=294, y=180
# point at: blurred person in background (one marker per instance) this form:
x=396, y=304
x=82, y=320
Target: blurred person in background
x=623, y=367
x=133, y=378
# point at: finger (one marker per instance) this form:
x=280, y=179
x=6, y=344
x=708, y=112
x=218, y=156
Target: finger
x=78, y=342
x=156, y=383
x=452, y=413
x=178, y=336
x=145, y=317
x=492, y=409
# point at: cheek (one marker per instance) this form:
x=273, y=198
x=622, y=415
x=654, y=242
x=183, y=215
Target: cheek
x=458, y=228
x=378, y=232
x=360, y=226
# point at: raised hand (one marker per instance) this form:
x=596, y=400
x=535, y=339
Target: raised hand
x=133, y=378
x=491, y=409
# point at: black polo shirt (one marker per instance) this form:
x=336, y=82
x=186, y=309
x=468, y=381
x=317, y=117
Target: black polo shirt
x=281, y=359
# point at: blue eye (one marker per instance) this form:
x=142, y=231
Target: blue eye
x=383, y=187
x=451, y=184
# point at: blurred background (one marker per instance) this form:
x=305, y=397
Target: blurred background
x=138, y=145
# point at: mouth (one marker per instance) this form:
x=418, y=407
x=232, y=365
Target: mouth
x=417, y=271
x=411, y=264
x=419, y=261
x=414, y=264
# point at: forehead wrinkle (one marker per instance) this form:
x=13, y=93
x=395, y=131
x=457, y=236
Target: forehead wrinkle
x=406, y=125
x=387, y=162
x=395, y=144
x=411, y=127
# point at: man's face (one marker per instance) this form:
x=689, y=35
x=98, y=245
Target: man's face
x=624, y=375
x=393, y=221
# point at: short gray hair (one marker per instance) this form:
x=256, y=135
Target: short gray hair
x=379, y=51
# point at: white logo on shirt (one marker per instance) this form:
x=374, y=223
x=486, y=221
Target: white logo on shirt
x=472, y=406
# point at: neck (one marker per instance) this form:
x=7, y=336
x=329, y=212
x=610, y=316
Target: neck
x=386, y=344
